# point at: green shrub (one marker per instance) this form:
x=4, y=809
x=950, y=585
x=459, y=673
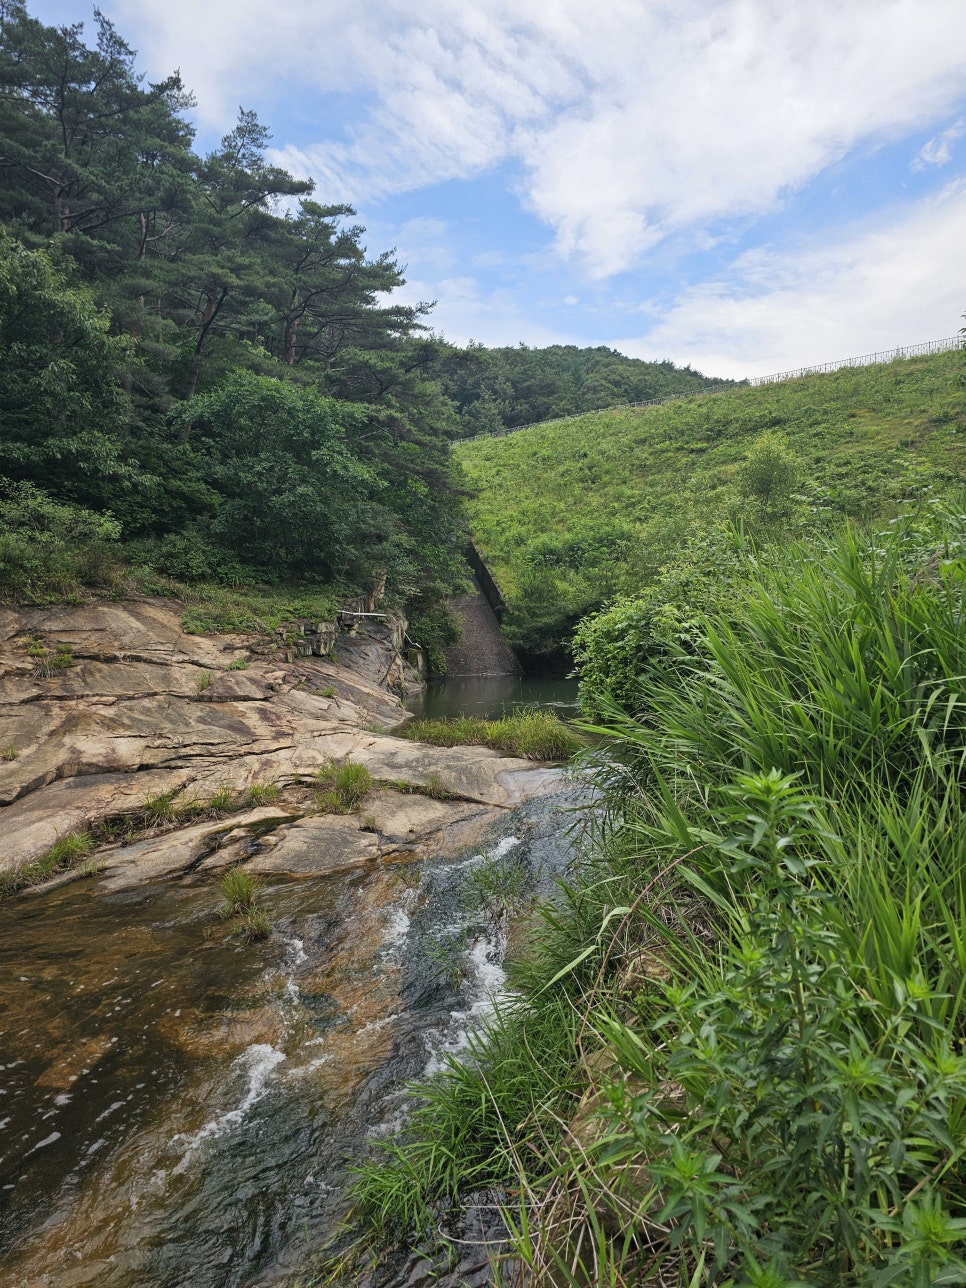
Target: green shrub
x=52, y=550
x=434, y=629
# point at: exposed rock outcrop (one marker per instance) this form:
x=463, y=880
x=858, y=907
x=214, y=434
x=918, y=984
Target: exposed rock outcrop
x=136, y=709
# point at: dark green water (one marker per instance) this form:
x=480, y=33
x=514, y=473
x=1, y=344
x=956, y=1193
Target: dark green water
x=178, y=1111
x=492, y=696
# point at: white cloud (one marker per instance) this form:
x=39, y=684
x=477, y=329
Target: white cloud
x=629, y=120
x=465, y=311
x=939, y=150
x=872, y=289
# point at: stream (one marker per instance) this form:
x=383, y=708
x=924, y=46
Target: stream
x=177, y=1109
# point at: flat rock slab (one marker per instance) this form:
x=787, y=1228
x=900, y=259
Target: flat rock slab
x=318, y=846
x=175, y=852
x=145, y=709
x=400, y=820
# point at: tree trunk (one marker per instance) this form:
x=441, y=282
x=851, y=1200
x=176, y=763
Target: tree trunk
x=214, y=299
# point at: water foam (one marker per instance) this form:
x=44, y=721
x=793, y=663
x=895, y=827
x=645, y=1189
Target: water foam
x=257, y=1062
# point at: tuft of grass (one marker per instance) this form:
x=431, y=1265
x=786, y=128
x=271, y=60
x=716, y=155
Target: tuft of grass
x=449, y=955
x=221, y=801
x=10, y=752
x=239, y=890
x=532, y=734
x=62, y=855
x=160, y=809
x=436, y=788
x=254, y=925
x=48, y=662
x=262, y=794
x=327, y=692
x=499, y=886
x=342, y=788
x=239, y=664
x=368, y=823
x=204, y=681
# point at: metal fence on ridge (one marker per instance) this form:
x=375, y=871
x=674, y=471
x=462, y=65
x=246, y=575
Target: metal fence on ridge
x=864, y=360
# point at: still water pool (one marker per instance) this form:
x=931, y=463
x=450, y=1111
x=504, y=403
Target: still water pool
x=492, y=696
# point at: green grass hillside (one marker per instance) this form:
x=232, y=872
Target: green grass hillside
x=569, y=515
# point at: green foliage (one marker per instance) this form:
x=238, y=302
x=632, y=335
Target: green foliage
x=52, y=550
x=497, y=388
x=231, y=381
x=239, y=890
x=342, y=788
x=159, y=809
x=46, y=661
x=499, y=886
x=61, y=404
x=572, y=515
x=769, y=475
x=221, y=801
x=650, y=632
x=254, y=925
x=762, y=962
x=291, y=492
x=434, y=629
x=262, y=794
x=470, y=1122
x=62, y=855
x=255, y=610
x=533, y=734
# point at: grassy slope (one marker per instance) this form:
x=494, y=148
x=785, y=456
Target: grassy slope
x=856, y=432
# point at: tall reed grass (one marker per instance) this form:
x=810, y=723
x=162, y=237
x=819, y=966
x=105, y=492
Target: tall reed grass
x=758, y=984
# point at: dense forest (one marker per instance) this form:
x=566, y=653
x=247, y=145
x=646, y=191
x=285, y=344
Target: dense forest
x=196, y=352
x=202, y=362
x=496, y=389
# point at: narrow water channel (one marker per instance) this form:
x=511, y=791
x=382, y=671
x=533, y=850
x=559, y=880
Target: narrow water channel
x=180, y=1110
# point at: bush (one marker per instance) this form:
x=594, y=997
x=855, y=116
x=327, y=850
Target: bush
x=764, y=958
x=434, y=629
x=51, y=550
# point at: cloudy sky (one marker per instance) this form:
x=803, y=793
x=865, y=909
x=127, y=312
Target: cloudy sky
x=745, y=185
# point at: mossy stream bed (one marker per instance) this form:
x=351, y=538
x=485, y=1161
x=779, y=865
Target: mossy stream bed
x=177, y=1108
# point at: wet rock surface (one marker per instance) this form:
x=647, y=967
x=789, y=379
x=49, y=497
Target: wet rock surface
x=141, y=710
x=182, y=1108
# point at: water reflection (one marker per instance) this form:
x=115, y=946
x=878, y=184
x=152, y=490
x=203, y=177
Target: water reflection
x=492, y=696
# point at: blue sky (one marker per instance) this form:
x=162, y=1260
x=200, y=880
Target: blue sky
x=743, y=185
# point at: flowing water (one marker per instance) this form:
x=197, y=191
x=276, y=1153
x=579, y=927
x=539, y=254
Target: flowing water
x=177, y=1109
